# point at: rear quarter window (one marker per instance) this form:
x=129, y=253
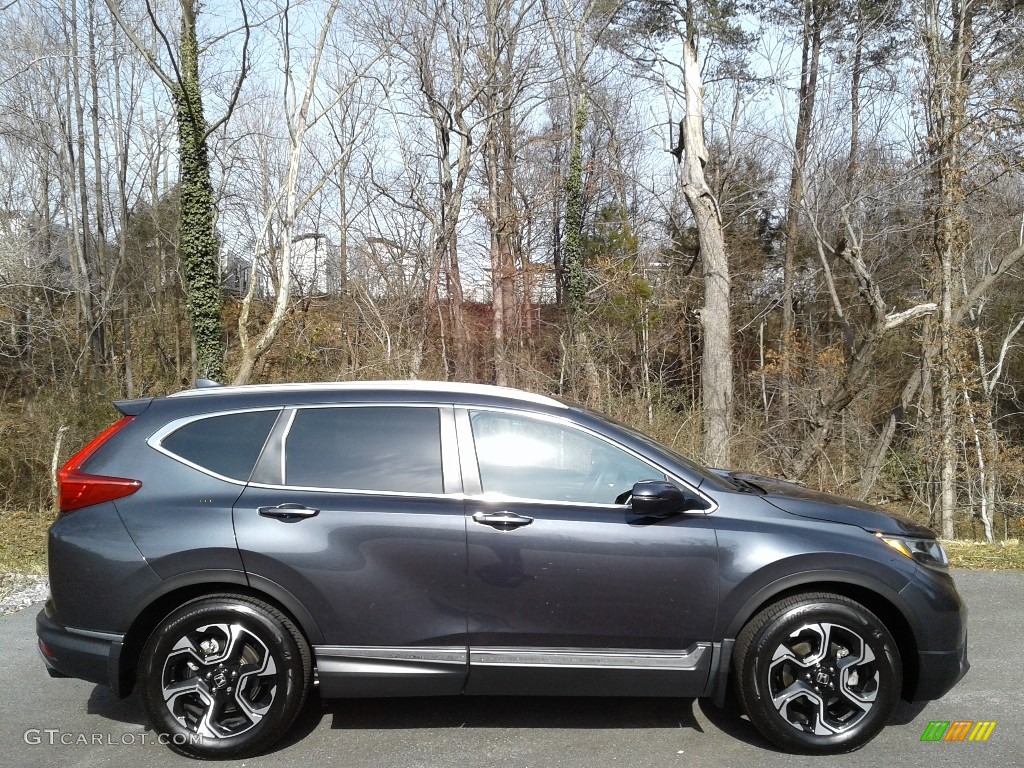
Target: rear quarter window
x=227, y=445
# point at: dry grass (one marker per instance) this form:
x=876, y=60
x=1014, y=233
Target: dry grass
x=1001, y=556
x=23, y=541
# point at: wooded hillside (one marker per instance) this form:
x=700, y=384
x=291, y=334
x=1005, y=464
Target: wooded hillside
x=784, y=237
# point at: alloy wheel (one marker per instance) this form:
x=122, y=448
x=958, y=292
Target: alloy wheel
x=219, y=680
x=823, y=679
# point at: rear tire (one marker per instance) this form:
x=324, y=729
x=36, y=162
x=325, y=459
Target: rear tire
x=817, y=673
x=224, y=676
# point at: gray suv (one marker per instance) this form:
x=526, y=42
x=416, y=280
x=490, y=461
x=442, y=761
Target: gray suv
x=227, y=550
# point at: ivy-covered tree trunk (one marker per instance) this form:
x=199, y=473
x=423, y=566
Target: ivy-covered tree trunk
x=198, y=242
x=950, y=68
x=575, y=290
x=580, y=363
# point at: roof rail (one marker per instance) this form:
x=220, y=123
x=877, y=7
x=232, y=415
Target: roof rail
x=405, y=385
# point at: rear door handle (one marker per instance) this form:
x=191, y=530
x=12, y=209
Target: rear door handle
x=502, y=520
x=288, y=512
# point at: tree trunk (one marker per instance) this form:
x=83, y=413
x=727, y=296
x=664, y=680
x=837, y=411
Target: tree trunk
x=91, y=322
x=877, y=458
x=198, y=245
x=581, y=367
x=810, y=58
x=104, y=279
x=949, y=75
x=715, y=315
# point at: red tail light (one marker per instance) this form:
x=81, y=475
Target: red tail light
x=77, y=489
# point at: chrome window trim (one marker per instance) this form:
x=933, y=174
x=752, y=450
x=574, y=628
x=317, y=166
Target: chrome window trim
x=465, y=456
x=356, y=491
x=155, y=441
x=569, y=423
x=454, y=496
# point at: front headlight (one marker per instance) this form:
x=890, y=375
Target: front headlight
x=926, y=551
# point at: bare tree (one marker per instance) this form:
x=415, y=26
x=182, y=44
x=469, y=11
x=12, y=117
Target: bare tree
x=576, y=33
x=300, y=116
x=955, y=39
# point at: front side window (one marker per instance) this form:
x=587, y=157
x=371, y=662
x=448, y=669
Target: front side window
x=533, y=459
x=386, y=448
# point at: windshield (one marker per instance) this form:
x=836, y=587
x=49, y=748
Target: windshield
x=679, y=458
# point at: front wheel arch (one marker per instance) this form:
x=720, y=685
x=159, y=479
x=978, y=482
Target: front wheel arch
x=870, y=597
x=817, y=673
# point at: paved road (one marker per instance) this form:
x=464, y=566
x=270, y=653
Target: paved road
x=527, y=732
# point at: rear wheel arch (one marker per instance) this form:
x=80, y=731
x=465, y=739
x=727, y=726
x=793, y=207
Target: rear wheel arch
x=229, y=670
x=169, y=601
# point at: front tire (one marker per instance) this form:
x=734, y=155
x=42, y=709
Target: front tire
x=224, y=676
x=817, y=673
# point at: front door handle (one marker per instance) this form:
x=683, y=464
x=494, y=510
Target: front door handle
x=504, y=521
x=288, y=512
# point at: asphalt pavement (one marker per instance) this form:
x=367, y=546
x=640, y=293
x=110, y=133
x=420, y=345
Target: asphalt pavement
x=74, y=724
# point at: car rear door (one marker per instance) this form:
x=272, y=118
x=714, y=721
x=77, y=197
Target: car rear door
x=569, y=591
x=356, y=512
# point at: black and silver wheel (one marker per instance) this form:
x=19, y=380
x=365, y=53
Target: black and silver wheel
x=224, y=676
x=817, y=673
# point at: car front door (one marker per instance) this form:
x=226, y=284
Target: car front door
x=569, y=591
x=356, y=513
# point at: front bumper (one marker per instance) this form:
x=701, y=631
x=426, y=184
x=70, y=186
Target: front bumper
x=940, y=671
x=941, y=633
x=84, y=654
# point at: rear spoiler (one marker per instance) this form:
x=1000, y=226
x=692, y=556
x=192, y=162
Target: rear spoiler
x=133, y=407
x=138, y=405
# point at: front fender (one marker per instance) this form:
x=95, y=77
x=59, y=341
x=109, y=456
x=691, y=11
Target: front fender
x=741, y=603
x=856, y=577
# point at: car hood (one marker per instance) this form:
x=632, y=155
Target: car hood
x=817, y=505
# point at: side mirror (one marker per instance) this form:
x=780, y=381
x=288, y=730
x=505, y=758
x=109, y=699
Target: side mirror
x=661, y=499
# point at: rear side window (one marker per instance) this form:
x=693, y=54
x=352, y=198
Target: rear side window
x=227, y=445
x=384, y=448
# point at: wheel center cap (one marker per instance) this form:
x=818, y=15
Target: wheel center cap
x=822, y=677
x=220, y=679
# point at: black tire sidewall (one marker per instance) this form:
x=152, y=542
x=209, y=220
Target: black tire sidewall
x=280, y=643
x=757, y=698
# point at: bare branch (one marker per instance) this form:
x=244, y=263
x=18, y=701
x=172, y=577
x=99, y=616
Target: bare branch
x=167, y=80
x=233, y=101
x=983, y=285
x=896, y=319
x=167, y=43
x=995, y=374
